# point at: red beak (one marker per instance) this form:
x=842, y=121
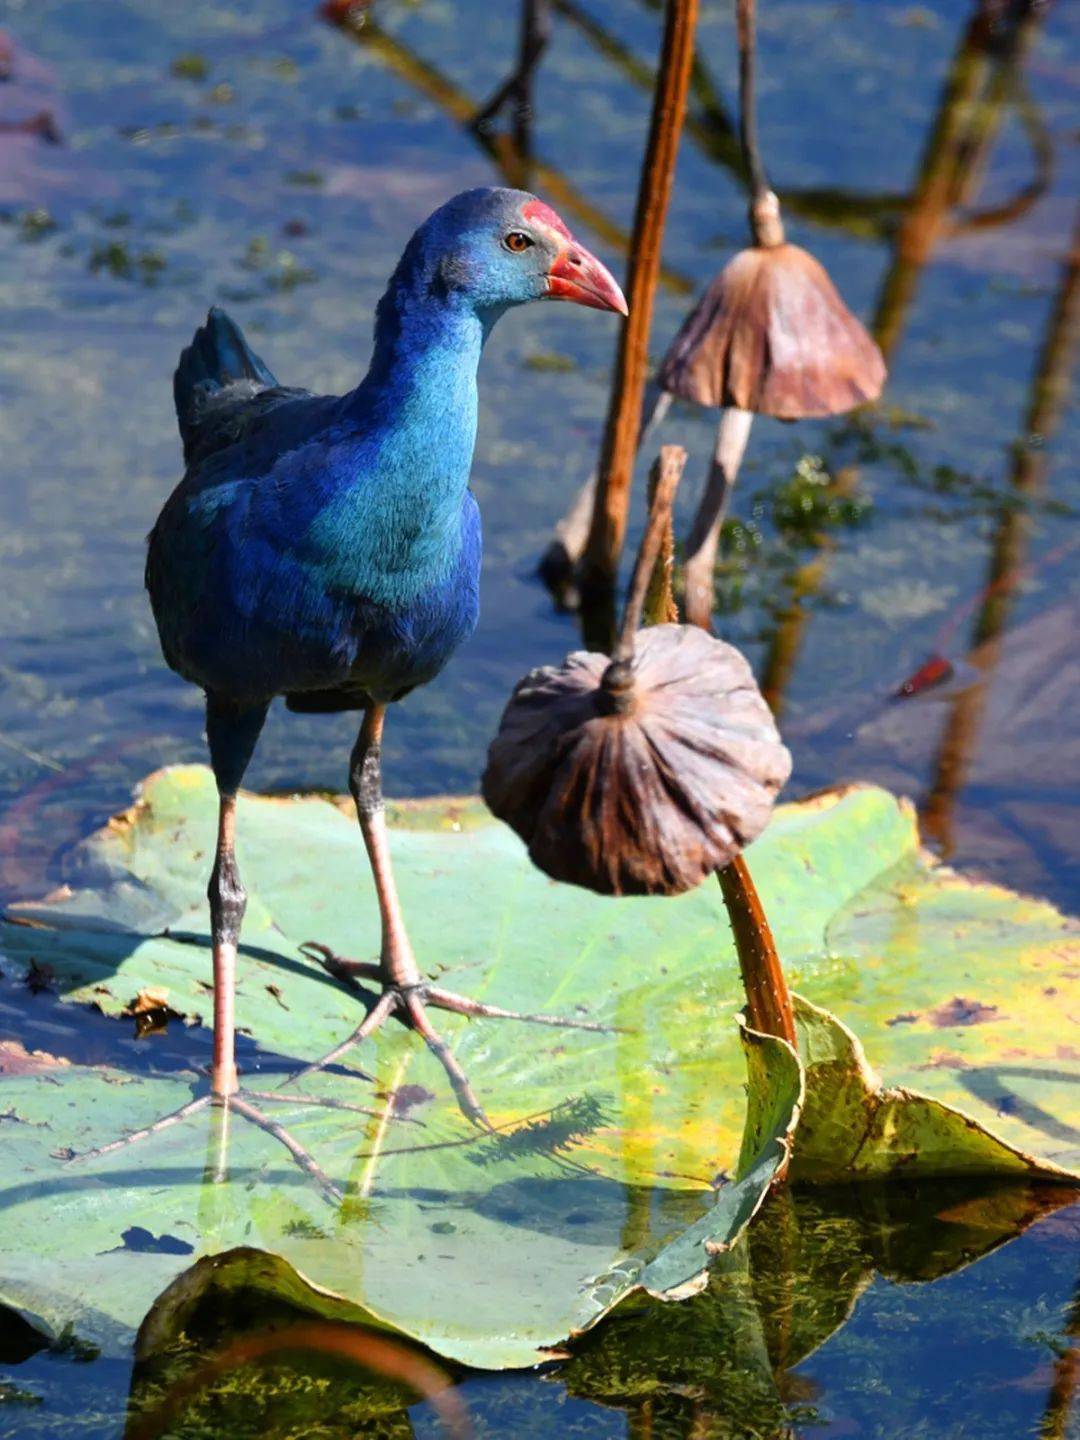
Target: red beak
x=578, y=276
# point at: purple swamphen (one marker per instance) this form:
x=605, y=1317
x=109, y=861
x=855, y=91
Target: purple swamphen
x=327, y=549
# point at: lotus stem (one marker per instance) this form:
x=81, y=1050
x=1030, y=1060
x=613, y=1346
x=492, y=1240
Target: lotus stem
x=560, y=559
x=732, y=434
x=748, y=135
x=663, y=481
x=768, y=1000
x=660, y=606
x=607, y=532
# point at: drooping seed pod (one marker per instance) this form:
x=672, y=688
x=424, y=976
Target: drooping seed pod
x=772, y=335
x=644, y=772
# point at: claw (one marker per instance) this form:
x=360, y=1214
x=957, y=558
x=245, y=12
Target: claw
x=385, y=1006
x=337, y=966
x=467, y=1101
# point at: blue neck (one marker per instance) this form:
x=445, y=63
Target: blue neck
x=422, y=378
x=428, y=340
x=414, y=415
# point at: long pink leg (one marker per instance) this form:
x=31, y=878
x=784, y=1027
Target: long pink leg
x=228, y=901
x=227, y=904
x=405, y=991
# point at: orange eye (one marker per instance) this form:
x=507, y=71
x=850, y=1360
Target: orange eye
x=517, y=241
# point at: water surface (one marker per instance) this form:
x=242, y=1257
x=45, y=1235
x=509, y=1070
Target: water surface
x=253, y=156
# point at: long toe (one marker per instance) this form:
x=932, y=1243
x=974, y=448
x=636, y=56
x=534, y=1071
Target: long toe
x=165, y=1123
x=464, y=1005
x=380, y=1012
x=470, y=1106
x=237, y=1104
x=318, y=1102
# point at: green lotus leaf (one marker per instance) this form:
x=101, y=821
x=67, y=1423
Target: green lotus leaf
x=621, y=1161
x=852, y=1127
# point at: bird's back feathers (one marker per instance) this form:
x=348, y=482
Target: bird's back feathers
x=318, y=543
x=220, y=387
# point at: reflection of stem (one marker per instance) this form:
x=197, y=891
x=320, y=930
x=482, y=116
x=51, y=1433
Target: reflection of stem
x=787, y=638
x=378, y=1353
x=533, y=40
x=1059, y=1403
x=963, y=131
x=639, y=1422
x=1049, y=389
x=768, y=1000
x=608, y=530
x=502, y=149
x=1042, y=148
x=981, y=81
x=709, y=127
x=774, y=1266
x=807, y=581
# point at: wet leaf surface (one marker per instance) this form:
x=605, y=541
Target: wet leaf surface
x=616, y=1155
x=607, y=1145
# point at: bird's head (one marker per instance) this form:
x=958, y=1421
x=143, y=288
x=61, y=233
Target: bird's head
x=495, y=248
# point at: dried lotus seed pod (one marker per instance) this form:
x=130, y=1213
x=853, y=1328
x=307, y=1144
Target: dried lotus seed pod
x=638, y=776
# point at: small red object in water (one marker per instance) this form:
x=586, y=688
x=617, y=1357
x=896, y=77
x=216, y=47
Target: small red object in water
x=43, y=124
x=934, y=672
x=343, y=12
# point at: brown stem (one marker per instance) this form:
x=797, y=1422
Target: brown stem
x=660, y=607
x=608, y=530
x=663, y=482
x=768, y=1000
x=748, y=134
x=559, y=561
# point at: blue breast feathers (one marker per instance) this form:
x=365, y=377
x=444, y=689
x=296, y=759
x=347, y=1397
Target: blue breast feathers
x=302, y=580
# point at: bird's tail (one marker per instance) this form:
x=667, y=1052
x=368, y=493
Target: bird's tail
x=218, y=357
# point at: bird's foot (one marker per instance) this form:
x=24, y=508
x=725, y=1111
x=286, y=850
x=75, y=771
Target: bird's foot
x=410, y=1004
x=242, y=1103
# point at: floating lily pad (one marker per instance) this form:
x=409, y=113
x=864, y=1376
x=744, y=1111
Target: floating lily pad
x=853, y=1127
x=622, y=1161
